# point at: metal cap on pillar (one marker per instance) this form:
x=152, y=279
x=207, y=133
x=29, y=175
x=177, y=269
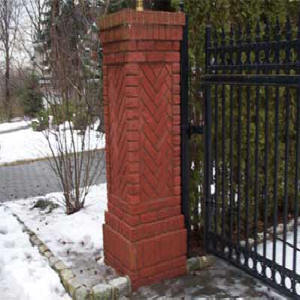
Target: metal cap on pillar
x=139, y=5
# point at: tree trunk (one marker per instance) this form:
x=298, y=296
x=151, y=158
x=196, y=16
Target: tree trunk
x=8, y=106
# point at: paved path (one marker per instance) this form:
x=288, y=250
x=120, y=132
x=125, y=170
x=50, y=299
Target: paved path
x=32, y=179
x=15, y=129
x=217, y=282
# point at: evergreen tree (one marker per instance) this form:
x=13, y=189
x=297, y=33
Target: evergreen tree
x=31, y=96
x=221, y=15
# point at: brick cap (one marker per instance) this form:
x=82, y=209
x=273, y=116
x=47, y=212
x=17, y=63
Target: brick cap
x=131, y=16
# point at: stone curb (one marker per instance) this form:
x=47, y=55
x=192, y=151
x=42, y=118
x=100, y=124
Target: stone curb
x=114, y=289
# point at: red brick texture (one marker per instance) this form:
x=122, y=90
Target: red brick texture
x=144, y=234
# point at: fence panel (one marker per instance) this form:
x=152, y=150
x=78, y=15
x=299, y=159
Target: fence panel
x=252, y=147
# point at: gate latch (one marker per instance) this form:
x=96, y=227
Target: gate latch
x=194, y=129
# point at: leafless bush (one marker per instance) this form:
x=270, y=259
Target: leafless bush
x=71, y=84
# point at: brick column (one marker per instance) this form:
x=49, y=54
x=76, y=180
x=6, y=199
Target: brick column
x=144, y=234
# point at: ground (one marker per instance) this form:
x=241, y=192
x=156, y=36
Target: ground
x=81, y=248
x=217, y=282
x=25, y=274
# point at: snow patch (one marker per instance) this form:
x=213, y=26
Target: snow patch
x=26, y=144
x=77, y=234
x=24, y=273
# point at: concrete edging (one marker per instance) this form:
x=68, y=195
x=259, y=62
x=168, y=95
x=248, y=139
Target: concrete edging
x=114, y=289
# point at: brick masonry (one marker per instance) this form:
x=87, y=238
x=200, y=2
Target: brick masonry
x=144, y=234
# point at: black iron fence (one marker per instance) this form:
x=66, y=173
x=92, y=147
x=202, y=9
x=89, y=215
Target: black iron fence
x=252, y=150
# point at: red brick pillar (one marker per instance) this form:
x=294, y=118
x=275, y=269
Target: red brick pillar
x=144, y=234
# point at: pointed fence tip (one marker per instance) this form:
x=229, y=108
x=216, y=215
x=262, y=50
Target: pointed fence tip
x=248, y=32
x=288, y=28
x=277, y=29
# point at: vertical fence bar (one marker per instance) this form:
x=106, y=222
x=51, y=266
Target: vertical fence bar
x=266, y=175
x=266, y=155
x=296, y=200
x=231, y=192
x=286, y=167
x=286, y=154
x=275, y=193
x=216, y=182
x=247, y=173
x=239, y=175
x=239, y=137
x=256, y=163
x=207, y=159
x=216, y=128
x=231, y=170
x=208, y=169
x=224, y=167
x=185, y=162
x=276, y=128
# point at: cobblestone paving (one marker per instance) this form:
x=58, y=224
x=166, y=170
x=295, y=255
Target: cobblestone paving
x=32, y=179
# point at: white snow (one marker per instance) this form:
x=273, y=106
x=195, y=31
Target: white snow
x=26, y=144
x=279, y=251
x=13, y=125
x=79, y=233
x=24, y=273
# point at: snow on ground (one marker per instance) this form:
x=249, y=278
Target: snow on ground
x=24, y=273
x=79, y=233
x=26, y=144
x=279, y=256
x=289, y=251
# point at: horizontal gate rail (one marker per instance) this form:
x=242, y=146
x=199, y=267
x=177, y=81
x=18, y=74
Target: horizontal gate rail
x=255, y=46
x=252, y=67
x=245, y=79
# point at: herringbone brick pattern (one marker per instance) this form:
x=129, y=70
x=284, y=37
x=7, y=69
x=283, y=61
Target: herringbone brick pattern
x=156, y=100
x=117, y=130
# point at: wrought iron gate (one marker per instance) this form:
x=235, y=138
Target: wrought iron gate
x=252, y=150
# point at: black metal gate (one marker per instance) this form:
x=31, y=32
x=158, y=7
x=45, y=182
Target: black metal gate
x=252, y=150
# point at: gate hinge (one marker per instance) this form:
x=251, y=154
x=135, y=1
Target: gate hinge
x=193, y=129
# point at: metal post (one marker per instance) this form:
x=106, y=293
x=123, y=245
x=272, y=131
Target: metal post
x=185, y=163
